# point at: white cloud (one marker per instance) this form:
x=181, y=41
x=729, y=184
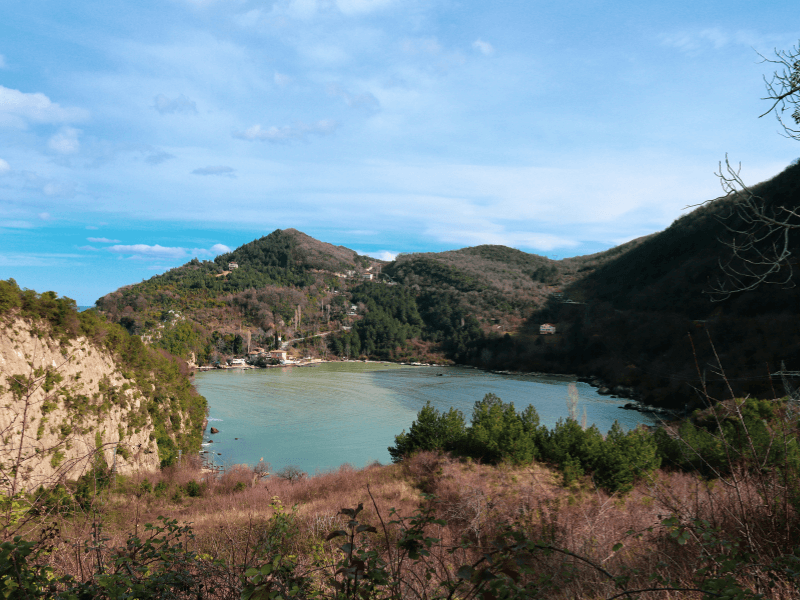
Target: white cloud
x=181, y=104
x=217, y=249
x=693, y=42
x=44, y=216
x=37, y=259
x=18, y=108
x=65, y=141
x=59, y=189
x=287, y=133
x=355, y=7
x=102, y=240
x=16, y=224
x=302, y=9
x=157, y=252
x=421, y=46
x=89, y=248
x=143, y=251
x=156, y=157
x=216, y=170
x=4, y=167
x=248, y=19
x=483, y=47
x=383, y=255
x=326, y=54
x=494, y=234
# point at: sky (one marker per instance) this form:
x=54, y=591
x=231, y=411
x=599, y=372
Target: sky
x=135, y=136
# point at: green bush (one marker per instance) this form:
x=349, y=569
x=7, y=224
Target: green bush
x=498, y=433
x=431, y=431
x=194, y=489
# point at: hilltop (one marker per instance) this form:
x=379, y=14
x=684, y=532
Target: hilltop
x=500, y=285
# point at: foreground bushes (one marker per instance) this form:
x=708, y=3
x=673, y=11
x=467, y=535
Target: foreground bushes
x=490, y=533
x=752, y=434
x=499, y=434
x=394, y=558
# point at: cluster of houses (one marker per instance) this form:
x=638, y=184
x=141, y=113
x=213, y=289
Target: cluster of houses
x=281, y=356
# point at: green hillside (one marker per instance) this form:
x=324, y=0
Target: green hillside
x=630, y=311
x=290, y=285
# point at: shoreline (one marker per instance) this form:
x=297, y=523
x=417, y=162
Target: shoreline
x=603, y=389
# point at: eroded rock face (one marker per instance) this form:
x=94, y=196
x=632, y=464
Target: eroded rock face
x=60, y=405
x=214, y=430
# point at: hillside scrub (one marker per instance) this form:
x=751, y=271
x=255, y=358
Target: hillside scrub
x=429, y=527
x=288, y=284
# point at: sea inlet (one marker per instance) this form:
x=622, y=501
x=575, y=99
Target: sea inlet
x=318, y=418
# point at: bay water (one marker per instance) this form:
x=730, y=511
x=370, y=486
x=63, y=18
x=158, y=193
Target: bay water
x=320, y=417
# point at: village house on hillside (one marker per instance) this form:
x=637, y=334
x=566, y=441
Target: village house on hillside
x=232, y=266
x=547, y=328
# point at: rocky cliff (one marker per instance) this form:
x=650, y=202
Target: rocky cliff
x=63, y=406
x=78, y=393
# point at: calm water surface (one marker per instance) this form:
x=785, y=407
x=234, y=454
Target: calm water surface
x=321, y=417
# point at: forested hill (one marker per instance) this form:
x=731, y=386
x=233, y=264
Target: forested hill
x=641, y=308
x=258, y=285
x=434, y=306
x=497, y=284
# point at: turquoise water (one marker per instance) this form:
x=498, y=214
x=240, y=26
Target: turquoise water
x=320, y=417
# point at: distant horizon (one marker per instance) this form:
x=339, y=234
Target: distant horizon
x=137, y=136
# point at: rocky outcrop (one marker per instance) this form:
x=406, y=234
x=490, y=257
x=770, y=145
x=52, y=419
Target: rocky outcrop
x=65, y=403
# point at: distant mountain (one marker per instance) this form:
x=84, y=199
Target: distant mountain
x=431, y=306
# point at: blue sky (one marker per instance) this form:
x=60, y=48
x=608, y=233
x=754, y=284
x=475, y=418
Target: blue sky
x=137, y=135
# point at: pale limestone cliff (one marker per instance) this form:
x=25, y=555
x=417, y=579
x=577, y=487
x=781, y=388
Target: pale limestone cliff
x=63, y=403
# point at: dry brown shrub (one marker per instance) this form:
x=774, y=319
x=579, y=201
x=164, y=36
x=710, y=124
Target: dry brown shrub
x=235, y=479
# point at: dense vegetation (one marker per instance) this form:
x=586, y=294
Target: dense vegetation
x=394, y=315
x=291, y=285
x=275, y=275
x=498, y=434
x=749, y=434
x=632, y=308
x=162, y=379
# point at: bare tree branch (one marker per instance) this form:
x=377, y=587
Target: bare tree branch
x=760, y=243
x=783, y=88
